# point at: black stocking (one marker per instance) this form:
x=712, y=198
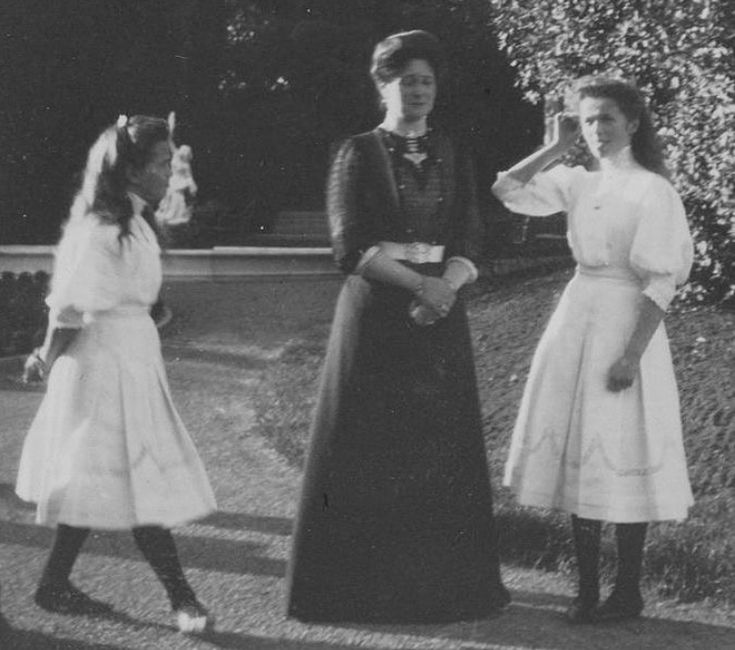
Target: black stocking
x=68, y=542
x=630, y=539
x=587, y=545
x=158, y=547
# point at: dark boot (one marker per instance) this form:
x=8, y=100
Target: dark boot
x=626, y=601
x=55, y=593
x=587, y=545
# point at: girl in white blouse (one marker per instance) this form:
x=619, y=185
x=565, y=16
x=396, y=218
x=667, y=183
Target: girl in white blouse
x=599, y=431
x=107, y=448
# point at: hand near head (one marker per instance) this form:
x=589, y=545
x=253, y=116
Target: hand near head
x=564, y=131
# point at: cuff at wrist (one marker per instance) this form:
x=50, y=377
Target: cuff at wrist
x=471, y=268
x=368, y=256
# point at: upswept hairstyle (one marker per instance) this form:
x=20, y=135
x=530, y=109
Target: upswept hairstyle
x=123, y=147
x=393, y=53
x=645, y=144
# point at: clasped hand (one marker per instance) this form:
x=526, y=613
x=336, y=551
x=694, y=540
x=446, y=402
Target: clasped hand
x=437, y=295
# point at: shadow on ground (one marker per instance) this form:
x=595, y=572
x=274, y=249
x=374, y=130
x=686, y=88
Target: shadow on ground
x=205, y=553
x=535, y=620
x=240, y=520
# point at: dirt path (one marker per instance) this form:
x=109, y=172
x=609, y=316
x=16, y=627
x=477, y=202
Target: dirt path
x=237, y=557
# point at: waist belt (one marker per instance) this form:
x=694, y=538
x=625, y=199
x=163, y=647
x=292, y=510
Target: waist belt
x=609, y=273
x=415, y=252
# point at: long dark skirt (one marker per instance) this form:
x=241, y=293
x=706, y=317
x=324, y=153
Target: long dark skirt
x=395, y=522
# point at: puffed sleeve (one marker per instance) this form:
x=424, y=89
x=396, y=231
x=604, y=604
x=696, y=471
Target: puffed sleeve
x=547, y=193
x=350, y=236
x=86, y=274
x=662, y=251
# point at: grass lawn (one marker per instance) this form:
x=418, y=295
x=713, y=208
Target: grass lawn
x=690, y=561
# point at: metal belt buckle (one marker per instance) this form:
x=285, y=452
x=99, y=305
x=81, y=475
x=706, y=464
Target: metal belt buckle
x=417, y=252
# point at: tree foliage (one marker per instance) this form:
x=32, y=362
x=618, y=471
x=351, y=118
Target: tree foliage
x=680, y=53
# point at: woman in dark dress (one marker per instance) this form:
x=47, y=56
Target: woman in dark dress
x=395, y=521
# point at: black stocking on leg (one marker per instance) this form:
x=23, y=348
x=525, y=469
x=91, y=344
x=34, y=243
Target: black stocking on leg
x=55, y=593
x=625, y=600
x=586, y=534
x=158, y=547
x=67, y=544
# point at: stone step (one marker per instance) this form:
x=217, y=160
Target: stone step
x=220, y=262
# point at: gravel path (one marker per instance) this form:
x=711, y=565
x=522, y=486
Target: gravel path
x=236, y=558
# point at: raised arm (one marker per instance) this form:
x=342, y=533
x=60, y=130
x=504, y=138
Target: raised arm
x=524, y=190
x=565, y=133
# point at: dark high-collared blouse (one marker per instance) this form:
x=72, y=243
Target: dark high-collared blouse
x=372, y=196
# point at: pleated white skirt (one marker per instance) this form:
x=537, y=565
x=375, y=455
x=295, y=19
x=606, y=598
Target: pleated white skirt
x=107, y=448
x=578, y=447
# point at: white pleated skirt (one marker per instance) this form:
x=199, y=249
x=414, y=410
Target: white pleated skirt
x=107, y=448
x=578, y=447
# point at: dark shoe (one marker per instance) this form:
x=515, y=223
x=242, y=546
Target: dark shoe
x=619, y=607
x=581, y=610
x=193, y=618
x=67, y=599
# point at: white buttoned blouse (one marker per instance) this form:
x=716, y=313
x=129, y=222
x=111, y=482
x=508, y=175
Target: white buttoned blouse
x=624, y=221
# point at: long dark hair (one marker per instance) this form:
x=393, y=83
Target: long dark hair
x=121, y=148
x=645, y=144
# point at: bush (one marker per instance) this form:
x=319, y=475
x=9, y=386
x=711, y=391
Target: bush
x=23, y=312
x=681, y=56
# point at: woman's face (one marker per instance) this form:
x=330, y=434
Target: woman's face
x=605, y=127
x=151, y=182
x=411, y=95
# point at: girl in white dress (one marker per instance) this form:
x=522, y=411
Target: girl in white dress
x=107, y=448
x=599, y=431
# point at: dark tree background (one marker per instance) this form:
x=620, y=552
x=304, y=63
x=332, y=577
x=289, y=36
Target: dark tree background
x=262, y=91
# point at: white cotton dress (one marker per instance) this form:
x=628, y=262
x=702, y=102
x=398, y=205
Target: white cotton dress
x=107, y=448
x=577, y=446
